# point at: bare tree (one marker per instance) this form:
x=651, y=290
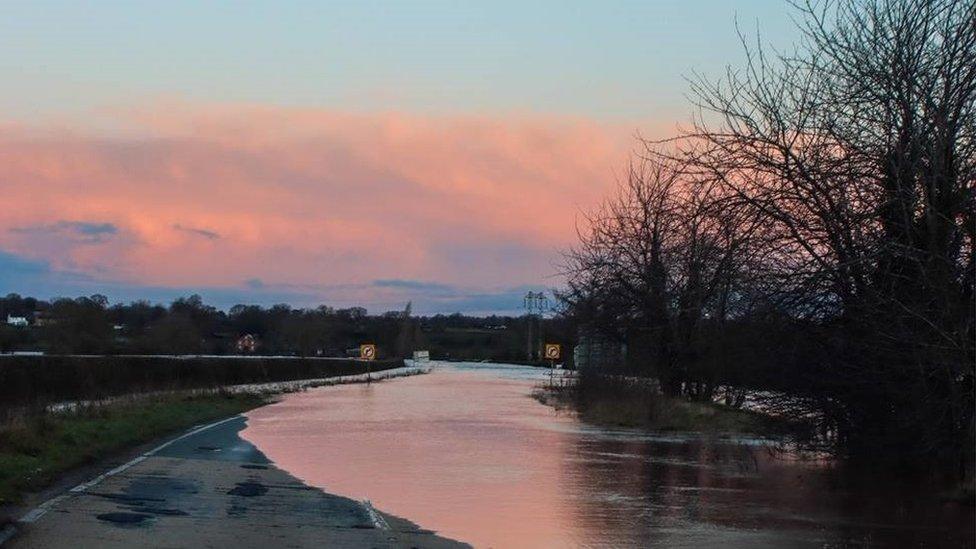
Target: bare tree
x=813, y=234
x=656, y=264
x=857, y=152
x=618, y=275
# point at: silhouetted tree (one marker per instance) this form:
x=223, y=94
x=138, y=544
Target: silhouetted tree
x=79, y=326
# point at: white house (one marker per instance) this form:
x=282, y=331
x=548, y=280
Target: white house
x=17, y=321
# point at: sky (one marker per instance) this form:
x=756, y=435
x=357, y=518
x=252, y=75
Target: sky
x=339, y=153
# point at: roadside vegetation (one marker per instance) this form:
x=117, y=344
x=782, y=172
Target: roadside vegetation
x=36, y=448
x=44, y=380
x=619, y=401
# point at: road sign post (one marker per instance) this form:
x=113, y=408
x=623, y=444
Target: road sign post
x=367, y=352
x=552, y=354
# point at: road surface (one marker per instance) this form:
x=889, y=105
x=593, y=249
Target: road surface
x=210, y=488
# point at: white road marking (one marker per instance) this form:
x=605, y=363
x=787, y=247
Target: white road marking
x=6, y=533
x=41, y=509
x=378, y=521
x=36, y=513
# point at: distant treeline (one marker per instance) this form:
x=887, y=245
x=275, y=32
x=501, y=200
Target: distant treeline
x=188, y=326
x=27, y=381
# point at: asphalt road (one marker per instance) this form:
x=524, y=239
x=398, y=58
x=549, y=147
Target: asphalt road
x=211, y=489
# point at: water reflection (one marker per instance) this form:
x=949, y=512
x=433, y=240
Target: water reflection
x=466, y=452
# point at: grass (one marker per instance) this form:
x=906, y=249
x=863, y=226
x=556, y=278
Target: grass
x=36, y=449
x=633, y=405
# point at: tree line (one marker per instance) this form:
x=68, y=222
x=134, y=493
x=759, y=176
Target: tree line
x=188, y=326
x=812, y=236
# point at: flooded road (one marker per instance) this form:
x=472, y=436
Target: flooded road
x=467, y=452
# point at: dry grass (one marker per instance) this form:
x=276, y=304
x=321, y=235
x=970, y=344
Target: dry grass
x=633, y=403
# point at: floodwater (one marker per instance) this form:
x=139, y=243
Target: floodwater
x=467, y=452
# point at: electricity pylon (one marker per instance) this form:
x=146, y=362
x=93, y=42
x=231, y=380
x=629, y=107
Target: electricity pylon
x=535, y=303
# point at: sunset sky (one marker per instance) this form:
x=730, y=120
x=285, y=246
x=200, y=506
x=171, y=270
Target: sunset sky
x=345, y=153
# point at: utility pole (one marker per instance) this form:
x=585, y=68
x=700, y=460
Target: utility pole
x=535, y=303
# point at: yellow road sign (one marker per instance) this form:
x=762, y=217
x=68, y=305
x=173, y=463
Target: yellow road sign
x=553, y=350
x=367, y=351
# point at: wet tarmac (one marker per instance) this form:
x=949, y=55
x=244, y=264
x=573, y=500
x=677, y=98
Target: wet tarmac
x=213, y=489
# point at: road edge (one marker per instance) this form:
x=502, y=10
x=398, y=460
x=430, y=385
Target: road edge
x=137, y=454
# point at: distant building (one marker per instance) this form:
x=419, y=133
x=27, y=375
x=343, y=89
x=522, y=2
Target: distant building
x=19, y=321
x=44, y=319
x=595, y=351
x=247, y=343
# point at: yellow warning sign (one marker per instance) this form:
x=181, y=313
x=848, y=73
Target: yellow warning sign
x=553, y=350
x=367, y=351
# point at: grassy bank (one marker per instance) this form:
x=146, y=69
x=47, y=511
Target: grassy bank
x=623, y=403
x=35, y=450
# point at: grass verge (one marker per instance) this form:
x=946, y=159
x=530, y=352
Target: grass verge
x=35, y=449
x=632, y=405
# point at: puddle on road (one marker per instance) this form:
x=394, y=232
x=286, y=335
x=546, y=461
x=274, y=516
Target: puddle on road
x=124, y=519
x=148, y=497
x=249, y=489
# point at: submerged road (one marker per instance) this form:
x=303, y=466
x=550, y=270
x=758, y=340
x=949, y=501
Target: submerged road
x=211, y=488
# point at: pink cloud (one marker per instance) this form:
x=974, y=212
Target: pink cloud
x=214, y=195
